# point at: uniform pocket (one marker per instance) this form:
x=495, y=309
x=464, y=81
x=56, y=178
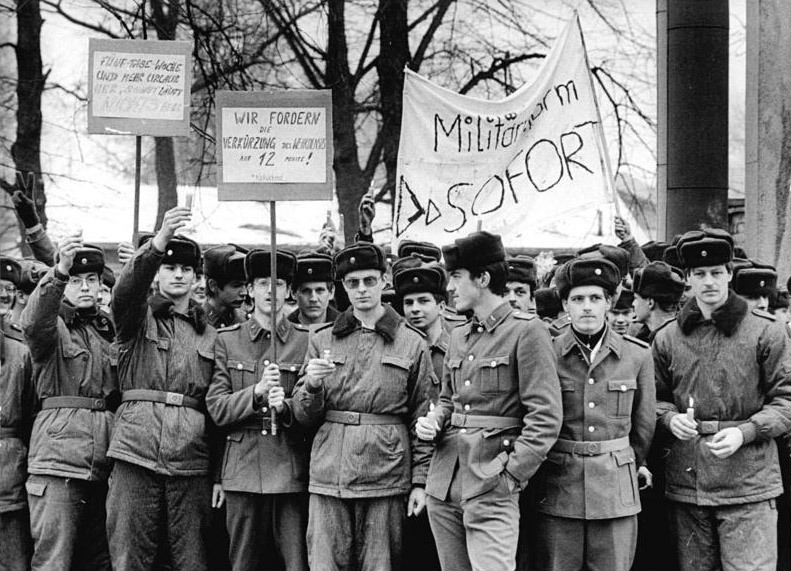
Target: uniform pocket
x=620, y=396
x=288, y=376
x=242, y=374
x=495, y=447
x=230, y=464
x=494, y=374
x=567, y=393
x=627, y=476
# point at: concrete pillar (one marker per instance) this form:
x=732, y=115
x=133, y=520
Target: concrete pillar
x=768, y=133
x=694, y=116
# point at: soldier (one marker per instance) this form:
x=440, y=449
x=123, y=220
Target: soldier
x=223, y=267
x=106, y=289
x=548, y=305
x=160, y=488
x=498, y=415
x=35, y=235
x=264, y=473
x=17, y=403
x=657, y=290
x=70, y=344
x=724, y=393
x=521, y=283
x=313, y=288
x=367, y=380
x=755, y=282
x=621, y=314
x=10, y=278
x=587, y=490
x=425, y=250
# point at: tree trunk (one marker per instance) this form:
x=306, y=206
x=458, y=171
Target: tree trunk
x=349, y=178
x=26, y=150
x=393, y=57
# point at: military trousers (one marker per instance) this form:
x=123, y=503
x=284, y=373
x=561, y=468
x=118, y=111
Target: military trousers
x=264, y=525
x=480, y=533
x=143, y=507
x=16, y=546
x=67, y=523
x=568, y=544
x=739, y=537
x=360, y=534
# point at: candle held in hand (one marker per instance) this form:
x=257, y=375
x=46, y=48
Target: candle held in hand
x=691, y=410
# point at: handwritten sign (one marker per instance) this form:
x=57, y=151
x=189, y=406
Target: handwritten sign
x=139, y=87
x=529, y=167
x=274, y=146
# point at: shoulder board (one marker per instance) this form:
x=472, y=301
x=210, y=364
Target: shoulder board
x=322, y=327
x=524, y=315
x=764, y=314
x=665, y=324
x=413, y=328
x=233, y=327
x=301, y=327
x=636, y=341
x=14, y=331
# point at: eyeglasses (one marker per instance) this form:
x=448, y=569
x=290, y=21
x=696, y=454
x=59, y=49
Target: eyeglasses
x=8, y=288
x=354, y=283
x=267, y=282
x=78, y=281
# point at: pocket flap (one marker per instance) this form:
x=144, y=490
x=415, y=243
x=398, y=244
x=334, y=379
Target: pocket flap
x=206, y=353
x=235, y=436
x=622, y=386
x=163, y=343
x=248, y=366
x=396, y=361
x=567, y=385
x=625, y=456
x=454, y=363
x=35, y=488
x=290, y=367
x=492, y=362
x=338, y=359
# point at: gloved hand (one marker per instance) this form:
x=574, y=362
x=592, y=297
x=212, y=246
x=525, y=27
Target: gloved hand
x=25, y=209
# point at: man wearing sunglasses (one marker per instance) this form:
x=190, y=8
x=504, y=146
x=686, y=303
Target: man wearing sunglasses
x=366, y=381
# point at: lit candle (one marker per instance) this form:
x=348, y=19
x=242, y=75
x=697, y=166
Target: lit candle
x=327, y=355
x=691, y=410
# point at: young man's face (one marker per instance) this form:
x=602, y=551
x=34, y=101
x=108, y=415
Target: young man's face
x=232, y=293
x=105, y=295
x=422, y=310
x=82, y=290
x=463, y=289
x=176, y=280
x=261, y=292
x=364, y=288
x=7, y=296
x=313, y=299
x=587, y=307
x=620, y=319
x=642, y=308
x=709, y=284
x=757, y=302
x=520, y=296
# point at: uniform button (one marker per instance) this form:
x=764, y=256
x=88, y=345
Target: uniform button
x=264, y=409
x=265, y=432
x=227, y=437
x=591, y=381
x=266, y=362
x=591, y=405
x=480, y=329
x=470, y=357
x=494, y=363
x=623, y=388
x=467, y=383
x=293, y=368
x=506, y=442
x=463, y=431
x=591, y=428
x=466, y=407
x=240, y=366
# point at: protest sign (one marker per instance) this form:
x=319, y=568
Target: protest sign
x=139, y=87
x=530, y=167
x=274, y=146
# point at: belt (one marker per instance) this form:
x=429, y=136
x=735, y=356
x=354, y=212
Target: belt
x=172, y=399
x=591, y=448
x=74, y=402
x=481, y=421
x=714, y=426
x=349, y=417
x=9, y=432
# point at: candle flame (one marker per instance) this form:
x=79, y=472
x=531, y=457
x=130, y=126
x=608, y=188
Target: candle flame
x=691, y=402
x=431, y=406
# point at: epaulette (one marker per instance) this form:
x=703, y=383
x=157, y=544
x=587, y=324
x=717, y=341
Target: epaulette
x=232, y=327
x=413, y=328
x=322, y=327
x=636, y=341
x=764, y=314
x=14, y=331
x=524, y=315
x=663, y=325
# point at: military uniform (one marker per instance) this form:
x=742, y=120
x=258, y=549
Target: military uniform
x=77, y=384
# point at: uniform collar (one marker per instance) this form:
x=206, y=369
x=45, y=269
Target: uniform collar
x=611, y=340
x=725, y=318
x=495, y=318
x=162, y=308
x=443, y=341
x=213, y=316
x=283, y=329
x=94, y=316
x=386, y=326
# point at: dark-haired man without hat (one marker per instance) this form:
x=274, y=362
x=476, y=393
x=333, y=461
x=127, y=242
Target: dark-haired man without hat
x=313, y=288
x=70, y=343
x=367, y=380
x=587, y=490
x=724, y=393
x=621, y=314
x=264, y=473
x=160, y=490
x=498, y=415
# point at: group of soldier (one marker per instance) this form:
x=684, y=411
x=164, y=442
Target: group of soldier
x=446, y=407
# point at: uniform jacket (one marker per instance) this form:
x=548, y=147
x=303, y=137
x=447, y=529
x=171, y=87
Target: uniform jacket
x=256, y=461
x=218, y=320
x=161, y=350
x=559, y=326
x=437, y=352
x=381, y=371
x=17, y=403
x=736, y=367
x=616, y=397
x=503, y=366
x=73, y=355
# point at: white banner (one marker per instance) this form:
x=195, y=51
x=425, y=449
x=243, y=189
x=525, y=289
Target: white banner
x=529, y=167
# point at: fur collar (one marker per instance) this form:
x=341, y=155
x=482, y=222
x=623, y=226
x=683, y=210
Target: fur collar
x=162, y=308
x=347, y=323
x=726, y=318
x=94, y=317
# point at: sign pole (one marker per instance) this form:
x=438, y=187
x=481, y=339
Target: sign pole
x=273, y=296
x=138, y=160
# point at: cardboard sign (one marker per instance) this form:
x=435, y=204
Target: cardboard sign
x=274, y=146
x=530, y=167
x=139, y=87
